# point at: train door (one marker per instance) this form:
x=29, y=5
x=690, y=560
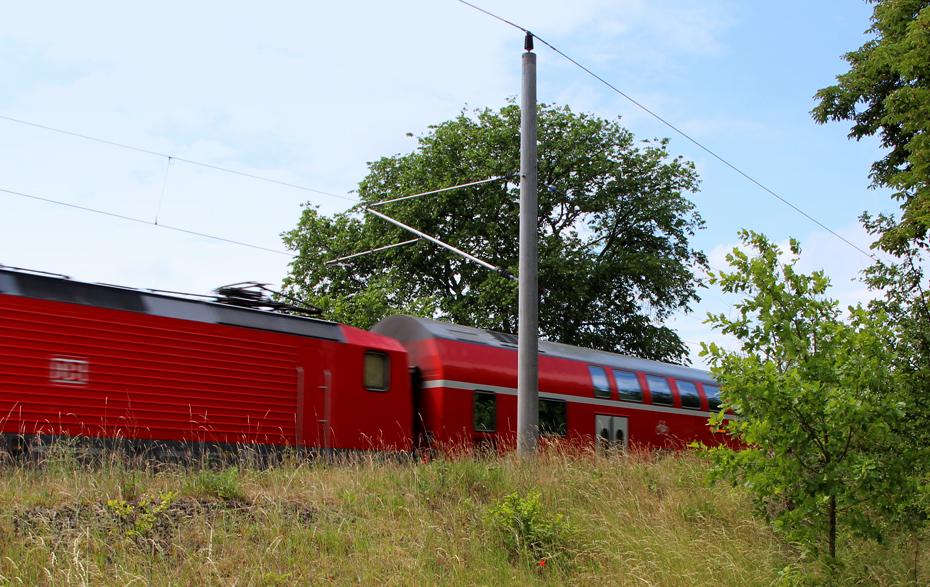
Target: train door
x=612, y=433
x=314, y=400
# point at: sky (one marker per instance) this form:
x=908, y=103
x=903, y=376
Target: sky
x=180, y=95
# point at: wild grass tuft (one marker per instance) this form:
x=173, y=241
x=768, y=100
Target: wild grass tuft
x=225, y=484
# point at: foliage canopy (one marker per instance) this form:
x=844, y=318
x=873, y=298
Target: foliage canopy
x=614, y=253
x=887, y=91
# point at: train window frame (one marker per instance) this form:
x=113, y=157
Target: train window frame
x=474, y=420
x=561, y=428
x=683, y=384
x=713, y=399
x=653, y=393
x=600, y=392
x=620, y=392
x=385, y=363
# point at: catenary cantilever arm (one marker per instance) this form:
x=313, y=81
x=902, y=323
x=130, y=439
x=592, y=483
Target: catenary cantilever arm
x=423, y=235
x=507, y=176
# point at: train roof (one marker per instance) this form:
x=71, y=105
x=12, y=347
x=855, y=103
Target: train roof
x=409, y=328
x=58, y=288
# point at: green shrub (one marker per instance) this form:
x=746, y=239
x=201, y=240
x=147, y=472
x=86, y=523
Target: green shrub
x=139, y=520
x=526, y=529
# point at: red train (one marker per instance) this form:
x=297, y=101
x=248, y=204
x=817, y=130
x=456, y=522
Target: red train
x=168, y=375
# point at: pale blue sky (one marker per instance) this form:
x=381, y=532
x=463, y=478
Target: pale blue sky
x=307, y=93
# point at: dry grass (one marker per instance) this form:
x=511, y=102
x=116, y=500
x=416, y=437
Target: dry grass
x=636, y=519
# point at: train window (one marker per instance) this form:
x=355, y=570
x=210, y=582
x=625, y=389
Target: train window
x=485, y=415
x=377, y=371
x=688, y=393
x=599, y=379
x=628, y=386
x=713, y=397
x=553, y=418
x=660, y=390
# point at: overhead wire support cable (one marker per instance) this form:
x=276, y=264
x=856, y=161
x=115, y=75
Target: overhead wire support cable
x=677, y=130
x=139, y=220
x=423, y=235
x=164, y=183
x=334, y=261
x=506, y=177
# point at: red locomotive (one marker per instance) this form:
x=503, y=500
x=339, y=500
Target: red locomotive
x=168, y=375
x=172, y=375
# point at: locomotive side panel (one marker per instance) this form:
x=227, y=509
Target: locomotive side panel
x=74, y=370
x=145, y=370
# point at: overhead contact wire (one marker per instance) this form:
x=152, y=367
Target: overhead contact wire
x=120, y=216
x=705, y=149
x=479, y=9
x=677, y=130
x=157, y=154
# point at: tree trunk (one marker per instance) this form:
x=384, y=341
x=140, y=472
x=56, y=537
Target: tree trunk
x=832, y=526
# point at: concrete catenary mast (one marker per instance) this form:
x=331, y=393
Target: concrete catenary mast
x=528, y=335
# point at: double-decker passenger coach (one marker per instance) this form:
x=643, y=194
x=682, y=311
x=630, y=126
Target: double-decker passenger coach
x=466, y=391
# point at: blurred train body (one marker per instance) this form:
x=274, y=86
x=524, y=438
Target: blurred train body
x=166, y=375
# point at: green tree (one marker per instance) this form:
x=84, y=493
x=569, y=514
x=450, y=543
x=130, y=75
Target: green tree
x=614, y=256
x=814, y=395
x=906, y=301
x=887, y=91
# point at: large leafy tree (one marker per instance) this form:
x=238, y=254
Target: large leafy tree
x=614, y=253
x=816, y=395
x=887, y=92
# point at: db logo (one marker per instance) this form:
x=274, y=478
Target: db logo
x=69, y=371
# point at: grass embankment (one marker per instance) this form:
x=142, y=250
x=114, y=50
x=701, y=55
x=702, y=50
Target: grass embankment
x=574, y=519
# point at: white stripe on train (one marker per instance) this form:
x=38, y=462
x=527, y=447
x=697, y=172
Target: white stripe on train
x=440, y=383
